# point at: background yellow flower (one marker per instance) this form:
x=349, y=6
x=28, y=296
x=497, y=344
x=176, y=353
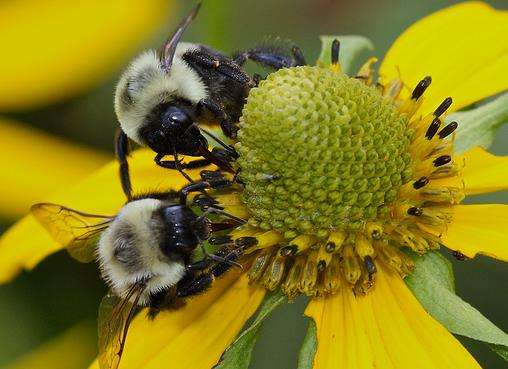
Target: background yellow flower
x=63, y=83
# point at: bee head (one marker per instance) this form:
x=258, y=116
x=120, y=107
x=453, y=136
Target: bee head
x=184, y=230
x=130, y=250
x=167, y=125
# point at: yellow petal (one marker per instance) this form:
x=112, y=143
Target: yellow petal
x=478, y=229
x=56, y=49
x=195, y=336
x=484, y=172
x=460, y=48
x=386, y=329
x=71, y=350
x=26, y=243
x=35, y=164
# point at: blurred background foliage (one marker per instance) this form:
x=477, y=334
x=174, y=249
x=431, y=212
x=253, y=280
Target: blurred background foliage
x=60, y=293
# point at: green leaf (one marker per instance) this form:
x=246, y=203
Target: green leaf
x=432, y=284
x=350, y=48
x=309, y=347
x=478, y=126
x=238, y=354
x=500, y=350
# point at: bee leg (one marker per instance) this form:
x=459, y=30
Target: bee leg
x=228, y=150
x=271, y=56
x=199, y=265
x=172, y=164
x=213, y=175
x=221, y=65
x=265, y=57
x=228, y=127
x=204, y=202
x=222, y=226
x=220, y=256
x=202, y=185
x=195, y=286
x=256, y=77
x=219, y=158
x=122, y=150
x=178, y=165
x=227, y=256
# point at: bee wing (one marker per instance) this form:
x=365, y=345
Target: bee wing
x=73, y=229
x=115, y=316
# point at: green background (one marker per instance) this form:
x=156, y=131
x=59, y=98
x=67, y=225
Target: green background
x=61, y=292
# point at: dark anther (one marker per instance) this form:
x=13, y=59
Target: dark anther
x=442, y=160
x=246, y=242
x=459, y=256
x=433, y=127
x=219, y=240
x=370, y=266
x=448, y=130
x=321, y=265
x=443, y=106
x=421, y=87
x=414, y=211
x=420, y=183
x=376, y=234
x=330, y=247
x=335, y=51
x=289, y=250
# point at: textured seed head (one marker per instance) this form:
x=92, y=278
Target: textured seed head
x=320, y=151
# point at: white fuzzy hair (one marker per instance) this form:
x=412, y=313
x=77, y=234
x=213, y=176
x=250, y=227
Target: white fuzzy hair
x=180, y=81
x=150, y=263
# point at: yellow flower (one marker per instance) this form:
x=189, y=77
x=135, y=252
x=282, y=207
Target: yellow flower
x=61, y=352
x=385, y=327
x=31, y=171
x=54, y=50
x=58, y=49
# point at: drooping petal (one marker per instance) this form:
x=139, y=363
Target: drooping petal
x=460, y=48
x=386, y=328
x=56, y=49
x=195, y=336
x=26, y=243
x=35, y=164
x=72, y=349
x=478, y=229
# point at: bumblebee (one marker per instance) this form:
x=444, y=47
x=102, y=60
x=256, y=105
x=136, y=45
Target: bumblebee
x=145, y=254
x=163, y=96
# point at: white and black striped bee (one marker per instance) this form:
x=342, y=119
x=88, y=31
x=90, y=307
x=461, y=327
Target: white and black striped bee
x=163, y=94
x=145, y=254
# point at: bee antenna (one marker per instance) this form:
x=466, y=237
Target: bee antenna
x=169, y=47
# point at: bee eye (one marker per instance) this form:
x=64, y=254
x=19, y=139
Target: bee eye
x=175, y=118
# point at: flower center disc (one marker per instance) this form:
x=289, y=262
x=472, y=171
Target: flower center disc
x=319, y=152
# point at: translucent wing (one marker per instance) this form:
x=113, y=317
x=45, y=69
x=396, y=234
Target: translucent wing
x=73, y=229
x=115, y=316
